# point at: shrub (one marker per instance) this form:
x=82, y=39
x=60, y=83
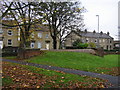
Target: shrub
x=82, y=45
x=92, y=45
x=5, y=54
x=75, y=43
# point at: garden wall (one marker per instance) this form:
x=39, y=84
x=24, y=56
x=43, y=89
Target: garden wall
x=28, y=53
x=98, y=52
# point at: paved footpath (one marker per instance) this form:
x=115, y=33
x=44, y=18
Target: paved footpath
x=111, y=79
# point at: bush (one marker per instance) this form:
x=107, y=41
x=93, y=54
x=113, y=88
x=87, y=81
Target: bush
x=5, y=54
x=75, y=43
x=114, y=50
x=82, y=45
x=72, y=47
x=92, y=45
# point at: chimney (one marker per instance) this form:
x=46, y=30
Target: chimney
x=101, y=32
x=85, y=30
x=94, y=31
x=108, y=33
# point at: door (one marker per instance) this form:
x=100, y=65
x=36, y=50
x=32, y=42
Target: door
x=47, y=46
x=39, y=45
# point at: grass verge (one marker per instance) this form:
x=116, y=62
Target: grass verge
x=25, y=76
x=79, y=61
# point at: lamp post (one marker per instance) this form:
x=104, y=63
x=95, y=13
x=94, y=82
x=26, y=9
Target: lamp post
x=98, y=32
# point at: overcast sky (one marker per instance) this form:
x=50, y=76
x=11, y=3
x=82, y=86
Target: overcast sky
x=108, y=15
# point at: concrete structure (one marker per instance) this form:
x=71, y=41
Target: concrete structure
x=105, y=41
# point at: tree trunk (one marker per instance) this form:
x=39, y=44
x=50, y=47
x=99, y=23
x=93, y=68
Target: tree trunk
x=54, y=43
x=60, y=44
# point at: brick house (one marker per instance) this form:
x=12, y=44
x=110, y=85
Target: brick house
x=105, y=40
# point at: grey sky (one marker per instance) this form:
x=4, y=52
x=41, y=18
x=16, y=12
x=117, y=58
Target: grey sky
x=108, y=14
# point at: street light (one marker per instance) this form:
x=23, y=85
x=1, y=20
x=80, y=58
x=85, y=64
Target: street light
x=98, y=31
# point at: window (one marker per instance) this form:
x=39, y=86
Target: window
x=40, y=35
x=103, y=40
x=95, y=40
x=9, y=42
x=18, y=38
x=32, y=35
x=87, y=40
x=39, y=45
x=1, y=31
x=82, y=40
x=1, y=44
x=9, y=32
x=110, y=47
x=110, y=41
x=32, y=45
x=47, y=35
x=116, y=45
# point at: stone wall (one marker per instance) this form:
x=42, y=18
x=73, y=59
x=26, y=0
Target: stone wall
x=117, y=52
x=98, y=52
x=28, y=53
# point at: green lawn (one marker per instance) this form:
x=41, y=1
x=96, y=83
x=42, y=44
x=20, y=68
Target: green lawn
x=53, y=78
x=7, y=81
x=9, y=57
x=66, y=77
x=75, y=60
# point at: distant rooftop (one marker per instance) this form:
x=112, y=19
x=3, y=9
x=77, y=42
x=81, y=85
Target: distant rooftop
x=93, y=34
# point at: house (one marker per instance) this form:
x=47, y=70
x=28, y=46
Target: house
x=116, y=44
x=10, y=34
x=105, y=40
x=40, y=37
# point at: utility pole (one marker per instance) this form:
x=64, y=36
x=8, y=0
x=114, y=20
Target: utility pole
x=98, y=32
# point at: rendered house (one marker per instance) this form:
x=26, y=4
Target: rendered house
x=105, y=40
x=40, y=37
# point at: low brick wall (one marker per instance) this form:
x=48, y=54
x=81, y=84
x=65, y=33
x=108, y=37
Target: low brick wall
x=91, y=51
x=28, y=53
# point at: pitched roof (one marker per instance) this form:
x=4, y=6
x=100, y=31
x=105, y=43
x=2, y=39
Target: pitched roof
x=91, y=34
x=9, y=22
x=40, y=27
x=94, y=35
x=36, y=27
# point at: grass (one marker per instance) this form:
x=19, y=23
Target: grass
x=9, y=57
x=68, y=77
x=54, y=78
x=75, y=60
x=6, y=81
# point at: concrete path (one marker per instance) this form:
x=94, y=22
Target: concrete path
x=111, y=79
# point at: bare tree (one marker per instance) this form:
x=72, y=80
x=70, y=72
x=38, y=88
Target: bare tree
x=60, y=17
x=24, y=17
